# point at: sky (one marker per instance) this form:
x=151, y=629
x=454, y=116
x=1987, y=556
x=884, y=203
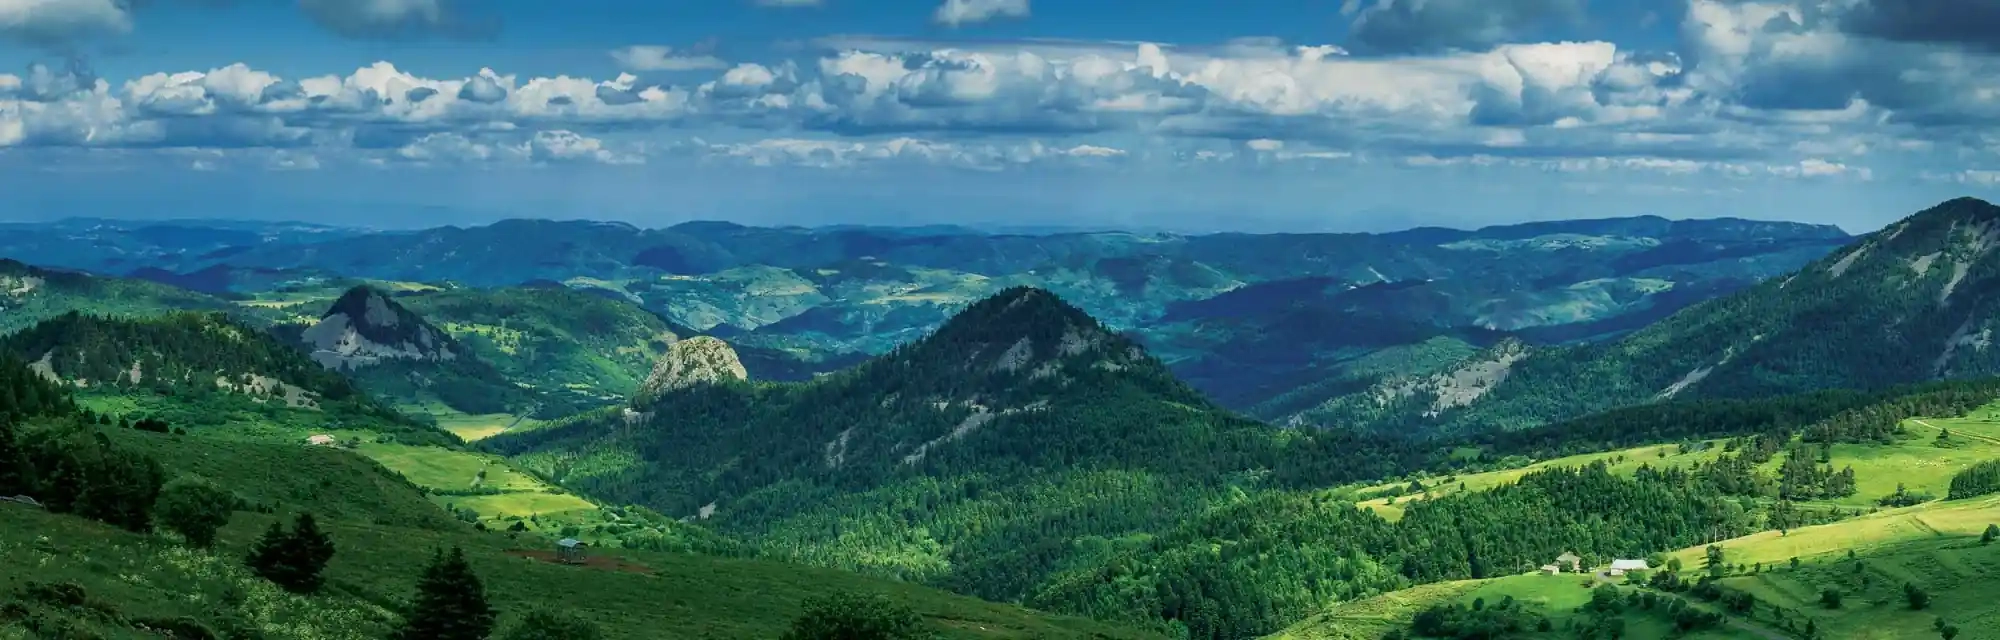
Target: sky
x=1179, y=115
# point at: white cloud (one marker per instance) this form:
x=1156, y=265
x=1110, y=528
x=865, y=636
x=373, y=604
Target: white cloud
x=662, y=58
x=959, y=12
x=53, y=20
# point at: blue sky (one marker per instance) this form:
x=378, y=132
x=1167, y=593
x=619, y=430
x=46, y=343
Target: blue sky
x=1181, y=115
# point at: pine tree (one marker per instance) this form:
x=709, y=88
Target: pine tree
x=450, y=603
x=14, y=478
x=1992, y=533
x=194, y=508
x=293, y=560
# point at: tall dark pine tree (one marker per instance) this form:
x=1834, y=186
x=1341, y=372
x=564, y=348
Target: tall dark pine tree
x=450, y=603
x=293, y=560
x=14, y=478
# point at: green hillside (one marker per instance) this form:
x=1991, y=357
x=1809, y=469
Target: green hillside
x=67, y=572
x=29, y=295
x=400, y=357
x=559, y=340
x=1020, y=437
x=199, y=370
x=1906, y=304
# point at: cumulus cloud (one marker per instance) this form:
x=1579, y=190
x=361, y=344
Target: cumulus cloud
x=1425, y=26
x=1768, y=88
x=959, y=12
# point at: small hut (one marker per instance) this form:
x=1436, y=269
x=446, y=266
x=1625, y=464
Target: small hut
x=570, y=550
x=1570, y=558
x=320, y=440
x=1550, y=570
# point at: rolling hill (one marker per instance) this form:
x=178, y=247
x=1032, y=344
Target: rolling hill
x=558, y=340
x=29, y=295
x=981, y=457
x=797, y=302
x=64, y=574
x=400, y=357
x=1909, y=303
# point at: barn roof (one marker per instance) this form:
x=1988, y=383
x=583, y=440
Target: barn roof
x=570, y=542
x=1628, y=565
x=1568, y=557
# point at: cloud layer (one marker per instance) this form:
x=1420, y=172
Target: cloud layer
x=1826, y=89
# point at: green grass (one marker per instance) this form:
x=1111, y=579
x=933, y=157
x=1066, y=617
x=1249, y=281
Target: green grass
x=384, y=530
x=1914, y=462
x=1556, y=596
x=1933, y=545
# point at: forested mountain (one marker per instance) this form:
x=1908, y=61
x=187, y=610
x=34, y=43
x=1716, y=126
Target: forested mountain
x=195, y=360
x=400, y=357
x=31, y=294
x=980, y=457
x=562, y=341
x=796, y=301
x=1912, y=302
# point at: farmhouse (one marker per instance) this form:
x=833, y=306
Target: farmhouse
x=570, y=551
x=1550, y=570
x=321, y=440
x=1619, y=567
x=1570, y=558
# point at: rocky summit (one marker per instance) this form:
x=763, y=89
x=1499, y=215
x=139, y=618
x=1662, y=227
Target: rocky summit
x=694, y=361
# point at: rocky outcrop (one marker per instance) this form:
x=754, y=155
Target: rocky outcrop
x=365, y=327
x=690, y=362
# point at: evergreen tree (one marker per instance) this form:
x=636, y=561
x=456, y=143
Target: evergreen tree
x=194, y=508
x=1992, y=533
x=1918, y=597
x=450, y=603
x=293, y=560
x=14, y=478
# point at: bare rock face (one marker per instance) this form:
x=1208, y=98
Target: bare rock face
x=694, y=361
x=365, y=327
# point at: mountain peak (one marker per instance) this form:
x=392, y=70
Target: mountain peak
x=365, y=326
x=1033, y=331
x=694, y=361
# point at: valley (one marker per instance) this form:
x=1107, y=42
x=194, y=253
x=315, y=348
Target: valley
x=1093, y=435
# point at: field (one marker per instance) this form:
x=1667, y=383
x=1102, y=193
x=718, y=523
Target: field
x=1934, y=546
x=1556, y=596
x=384, y=530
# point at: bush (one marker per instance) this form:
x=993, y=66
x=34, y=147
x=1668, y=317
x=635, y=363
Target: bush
x=542, y=624
x=846, y=616
x=1830, y=598
x=194, y=508
x=293, y=560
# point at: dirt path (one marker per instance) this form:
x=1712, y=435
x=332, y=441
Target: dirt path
x=1961, y=434
x=604, y=563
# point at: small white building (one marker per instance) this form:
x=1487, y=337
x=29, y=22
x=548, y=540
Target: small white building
x=1619, y=567
x=1550, y=570
x=320, y=440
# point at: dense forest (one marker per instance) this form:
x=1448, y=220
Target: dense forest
x=1024, y=453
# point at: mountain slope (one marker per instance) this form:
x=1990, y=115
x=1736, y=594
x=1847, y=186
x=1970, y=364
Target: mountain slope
x=1915, y=301
x=31, y=294
x=116, y=583
x=569, y=344
x=977, y=458
x=197, y=369
x=400, y=357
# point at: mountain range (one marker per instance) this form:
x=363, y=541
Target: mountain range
x=800, y=301
x=1189, y=436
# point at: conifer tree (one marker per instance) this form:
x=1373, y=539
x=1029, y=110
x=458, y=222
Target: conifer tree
x=14, y=478
x=293, y=560
x=450, y=603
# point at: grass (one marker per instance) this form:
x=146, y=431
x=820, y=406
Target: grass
x=384, y=530
x=1934, y=546
x=1557, y=597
